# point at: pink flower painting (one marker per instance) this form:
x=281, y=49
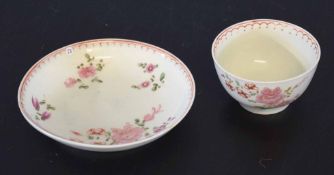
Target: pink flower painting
x=35, y=103
x=155, y=79
x=127, y=134
x=271, y=97
x=86, y=72
x=150, y=68
x=149, y=117
x=96, y=131
x=250, y=86
x=45, y=115
x=145, y=84
x=70, y=82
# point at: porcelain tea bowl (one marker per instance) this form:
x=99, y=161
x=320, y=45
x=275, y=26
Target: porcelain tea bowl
x=268, y=97
x=106, y=94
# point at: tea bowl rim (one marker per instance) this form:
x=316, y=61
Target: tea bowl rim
x=303, y=74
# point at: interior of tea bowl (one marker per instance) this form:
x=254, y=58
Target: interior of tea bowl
x=106, y=94
x=269, y=97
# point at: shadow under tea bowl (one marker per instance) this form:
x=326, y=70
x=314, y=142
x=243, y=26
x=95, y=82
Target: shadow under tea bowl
x=265, y=96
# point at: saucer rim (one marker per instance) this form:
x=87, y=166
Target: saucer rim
x=122, y=146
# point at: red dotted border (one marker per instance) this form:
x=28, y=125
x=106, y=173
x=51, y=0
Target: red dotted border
x=100, y=42
x=267, y=22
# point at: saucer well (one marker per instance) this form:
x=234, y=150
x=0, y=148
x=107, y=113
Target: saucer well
x=106, y=94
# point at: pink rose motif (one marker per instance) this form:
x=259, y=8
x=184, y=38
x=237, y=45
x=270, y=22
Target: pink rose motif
x=145, y=84
x=70, y=82
x=150, y=68
x=35, y=103
x=46, y=115
x=96, y=131
x=126, y=134
x=87, y=72
x=271, y=97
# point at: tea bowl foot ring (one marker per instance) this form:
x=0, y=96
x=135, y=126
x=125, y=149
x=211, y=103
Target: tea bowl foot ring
x=262, y=111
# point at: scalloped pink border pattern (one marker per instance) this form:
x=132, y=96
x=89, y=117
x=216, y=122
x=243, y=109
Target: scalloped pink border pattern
x=229, y=30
